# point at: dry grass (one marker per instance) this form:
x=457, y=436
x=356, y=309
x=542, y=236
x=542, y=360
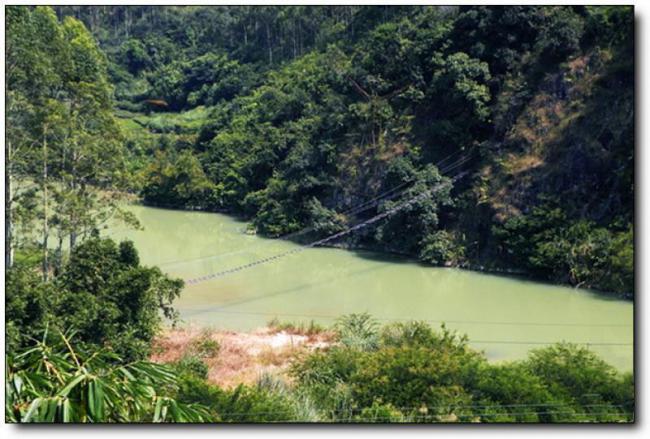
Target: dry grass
x=276, y=357
x=312, y=329
x=242, y=356
x=536, y=137
x=518, y=164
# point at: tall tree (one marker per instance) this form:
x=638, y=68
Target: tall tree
x=35, y=47
x=63, y=136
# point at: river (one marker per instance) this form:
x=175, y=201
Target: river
x=503, y=316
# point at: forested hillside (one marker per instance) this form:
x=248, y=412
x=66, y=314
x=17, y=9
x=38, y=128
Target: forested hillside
x=292, y=116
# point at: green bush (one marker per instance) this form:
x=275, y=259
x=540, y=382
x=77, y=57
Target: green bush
x=548, y=244
x=205, y=80
x=103, y=294
x=419, y=375
x=324, y=376
x=413, y=377
x=441, y=248
x=510, y=392
x=192, y=365
x=27, y=305
x=420, y=334
x=358, y=331
x=205, y=346
x=577, y=374
x=311, y=328
x=378, y=413
x=178, y=179
x=242, y=404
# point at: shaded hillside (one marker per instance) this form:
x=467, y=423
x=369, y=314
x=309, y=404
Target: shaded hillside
x=306, y=113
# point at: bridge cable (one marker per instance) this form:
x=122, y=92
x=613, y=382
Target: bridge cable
x=387, y=195
x=327, y=239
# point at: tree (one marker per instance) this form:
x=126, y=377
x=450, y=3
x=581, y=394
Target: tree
x=578, y=374
x=408, y=229
x=560, y=35
x=316, y=103
x=134, y=56
x=93, y=154
x=64, y=138
x=111, y=301
x=179, y=180
x=102, y=293
x=206, y=80
x=36, y=49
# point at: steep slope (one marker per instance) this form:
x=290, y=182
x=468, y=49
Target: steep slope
x=534, y=105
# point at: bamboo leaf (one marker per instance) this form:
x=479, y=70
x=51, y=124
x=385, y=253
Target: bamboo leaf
x=156, y=413
x=18, y=383
x=50, y=413
x=126, y=373
x=99, y=402
x=67, y=411
x=33, y=410
x=66, y=390
x=91, y=399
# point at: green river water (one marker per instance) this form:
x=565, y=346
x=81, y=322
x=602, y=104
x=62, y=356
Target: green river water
x=504, y=316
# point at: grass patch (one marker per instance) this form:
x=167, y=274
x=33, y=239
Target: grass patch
x=301, y=328
x=204, y=346
x=186, y=122
x=276, y=357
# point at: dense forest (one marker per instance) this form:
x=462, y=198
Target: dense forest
x=292, y=116
x=516, y=122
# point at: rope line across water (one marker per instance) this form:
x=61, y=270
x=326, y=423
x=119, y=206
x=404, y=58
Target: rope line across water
x=353, y=210
x=322, y=241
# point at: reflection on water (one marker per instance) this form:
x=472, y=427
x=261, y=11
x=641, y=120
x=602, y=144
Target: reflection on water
x=503, y=316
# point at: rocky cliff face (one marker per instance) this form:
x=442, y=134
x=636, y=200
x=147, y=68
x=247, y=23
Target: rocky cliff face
x=570, y=145
x=570, y=135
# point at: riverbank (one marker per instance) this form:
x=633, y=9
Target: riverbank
x=474, y=266
x=238, y=357
x=505, y=316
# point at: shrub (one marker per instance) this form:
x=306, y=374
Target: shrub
x=179, y=180
x=411, y=377
x=358, y=331
x=379, y=413
x=420, y=375
x=193, y=366
x=576, y=373
x=312, y=328
x=322, y=220
x=324, y=377
x=251, y=404
x=513, y=384
x=549, y=245
x=420, y=334
x=26, y=305
x=103, y=293
x=440, y=248
x=260, y=403
x=205, y=346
